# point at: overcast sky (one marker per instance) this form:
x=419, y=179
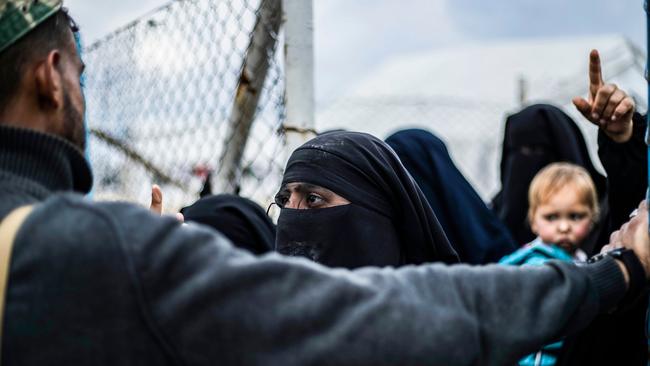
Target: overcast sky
x=354, y=36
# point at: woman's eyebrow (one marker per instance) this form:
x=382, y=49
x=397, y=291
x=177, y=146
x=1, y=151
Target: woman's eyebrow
x=307, y=187
x=303, y=188
x=310, y=187
x=298, y=187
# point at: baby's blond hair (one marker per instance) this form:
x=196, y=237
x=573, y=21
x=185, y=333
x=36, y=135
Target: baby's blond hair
x=557, y=176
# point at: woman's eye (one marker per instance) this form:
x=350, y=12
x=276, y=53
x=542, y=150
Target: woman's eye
x=314, y=199
x=551, y=217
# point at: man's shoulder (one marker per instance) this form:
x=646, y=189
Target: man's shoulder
x=132, y=227
x=77, y=200
x=69, y=206
x=70, y=231
x=76, y=219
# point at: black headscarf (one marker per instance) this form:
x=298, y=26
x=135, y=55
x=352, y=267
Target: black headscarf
x=472, y=228
x=388, y=221
x=535, y=137
x=241, y=220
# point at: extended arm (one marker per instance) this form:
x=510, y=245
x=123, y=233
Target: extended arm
x=216, y=304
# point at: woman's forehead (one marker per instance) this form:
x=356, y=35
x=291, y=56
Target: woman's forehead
x=304, y=187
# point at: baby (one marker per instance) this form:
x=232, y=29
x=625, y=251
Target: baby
x=563, y=207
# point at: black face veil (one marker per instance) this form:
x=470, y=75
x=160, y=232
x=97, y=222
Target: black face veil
x=388, y=222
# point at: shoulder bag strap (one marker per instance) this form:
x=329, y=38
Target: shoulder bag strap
x=8, y=229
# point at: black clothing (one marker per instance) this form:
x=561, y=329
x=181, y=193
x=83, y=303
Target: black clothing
x=366, y=172
x=627, y=172
x=241, y=220
x=473, y=229
x=618, y=338
x=207, y=186
x=362, y=236
x=535, y=137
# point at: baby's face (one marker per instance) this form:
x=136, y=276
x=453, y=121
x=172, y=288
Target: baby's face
x=563, y=220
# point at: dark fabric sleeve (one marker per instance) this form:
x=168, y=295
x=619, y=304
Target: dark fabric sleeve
x=213, y=304
x=626, y=165
x=618, y=338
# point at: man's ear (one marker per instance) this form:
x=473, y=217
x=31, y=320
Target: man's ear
x=48, y=81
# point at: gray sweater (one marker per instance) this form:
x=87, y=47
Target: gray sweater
x=111, y=284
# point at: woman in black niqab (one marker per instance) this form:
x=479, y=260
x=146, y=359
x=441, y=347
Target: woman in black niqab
x=388, y=221
x=535, y=137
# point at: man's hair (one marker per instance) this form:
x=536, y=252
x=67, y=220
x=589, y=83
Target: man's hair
x=50, y=34
x=556, y=176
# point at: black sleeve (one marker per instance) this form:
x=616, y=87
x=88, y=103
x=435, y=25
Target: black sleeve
x=626, y=165
x=618, y=338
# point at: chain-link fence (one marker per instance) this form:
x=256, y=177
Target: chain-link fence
x=196, y=89
x=192, y=91
x=471, y=129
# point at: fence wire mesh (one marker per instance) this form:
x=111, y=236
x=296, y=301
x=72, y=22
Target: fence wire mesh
x=472, y=125
x=197, y=87
x=170, y=95
x=471, y=129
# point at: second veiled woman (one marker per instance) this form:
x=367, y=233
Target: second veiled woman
x=476, y=233
x=535, y=137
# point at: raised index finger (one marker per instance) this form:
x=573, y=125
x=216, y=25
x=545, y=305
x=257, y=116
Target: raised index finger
x=595, y=73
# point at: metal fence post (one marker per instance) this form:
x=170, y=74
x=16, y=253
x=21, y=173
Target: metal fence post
x=251, y=81
x=299, y=125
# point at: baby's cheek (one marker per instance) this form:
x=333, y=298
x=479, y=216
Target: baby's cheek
x=581, y=230
x=546, y=232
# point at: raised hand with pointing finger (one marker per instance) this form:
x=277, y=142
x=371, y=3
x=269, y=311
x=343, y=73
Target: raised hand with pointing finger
x=608, y=107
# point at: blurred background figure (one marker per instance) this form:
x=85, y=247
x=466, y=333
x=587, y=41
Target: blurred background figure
x=241, y=220
x=204, y=172
x=473, y=229
x=535, y=137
